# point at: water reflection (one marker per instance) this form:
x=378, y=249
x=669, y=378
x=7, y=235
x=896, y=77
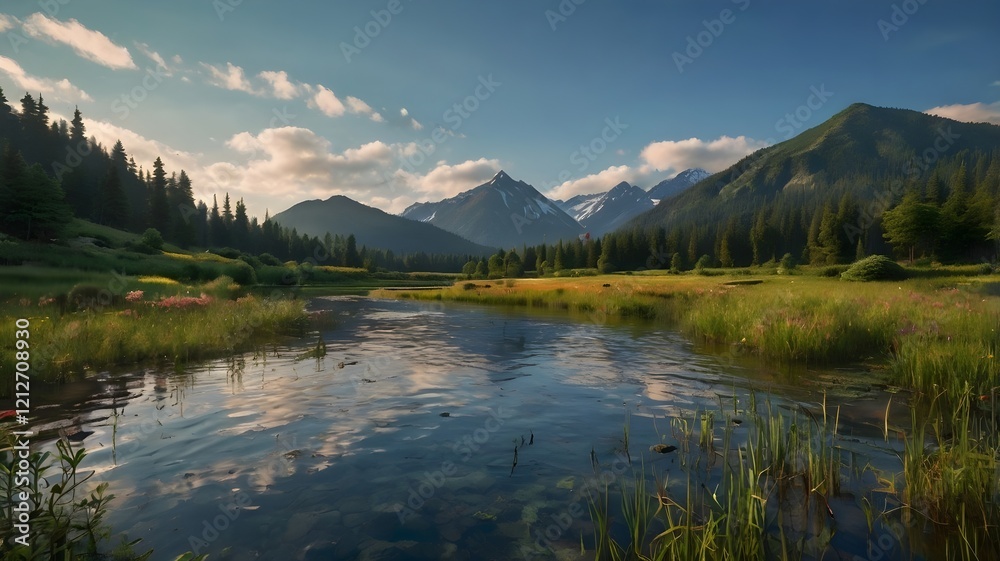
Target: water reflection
x=398, y=443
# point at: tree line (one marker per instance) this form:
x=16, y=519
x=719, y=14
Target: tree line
x=51, y=172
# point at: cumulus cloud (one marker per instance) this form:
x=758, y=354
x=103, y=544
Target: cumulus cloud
x=231, y=77
x=449, y=180
x=661, y=160
x=281, y=86
x=89, y=44
x=297, y=162
x=288, y=164
x=143, y=150
x=62, y=90
x=713, y=155
x=971, y=112
x=599, y=182
x=326, y=102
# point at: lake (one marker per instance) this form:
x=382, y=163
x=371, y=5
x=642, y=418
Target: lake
x=400, y=443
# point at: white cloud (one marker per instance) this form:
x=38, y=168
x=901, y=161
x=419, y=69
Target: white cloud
x=62, y=90
x=155, y=57
x=600, y=182
x=230, y=78
x=360, y=107
x=8, y=22
x=660, y=160
x=143, y=150
x=327, y=102
x=285, y=165
x=281, y=86
x=714, y=155
x=296, y=162
x=971, y=112
x=89, y=44
x=449, y=180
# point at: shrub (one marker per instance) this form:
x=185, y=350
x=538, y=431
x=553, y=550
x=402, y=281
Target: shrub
x=227, y=252
x=874, y=268
x=469, y=286
x=268, y=259
x=832, y=271
x=703, y=261
x=140, y=247
x=152, y=238
x=788, y=262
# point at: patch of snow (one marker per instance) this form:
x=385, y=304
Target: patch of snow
x=545, y=207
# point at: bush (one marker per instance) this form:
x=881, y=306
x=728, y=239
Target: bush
x=227, y=252
x=152, y=238
x=469, y=286
x=141, y=247
x=269, y=260
x=874, y=268
x=832, y=271
x=788, y=262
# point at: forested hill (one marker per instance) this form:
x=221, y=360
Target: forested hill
x=51, y=172
x=822, y=196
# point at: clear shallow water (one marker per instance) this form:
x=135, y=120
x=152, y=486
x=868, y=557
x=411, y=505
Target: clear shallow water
x=399, y=444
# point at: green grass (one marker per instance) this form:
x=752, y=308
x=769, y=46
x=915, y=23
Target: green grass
x=64, y=346
x=792, y=319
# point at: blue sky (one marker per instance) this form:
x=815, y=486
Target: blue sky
x=280, y=103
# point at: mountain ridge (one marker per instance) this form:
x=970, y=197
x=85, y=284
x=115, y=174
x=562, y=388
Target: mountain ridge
x=341, y=215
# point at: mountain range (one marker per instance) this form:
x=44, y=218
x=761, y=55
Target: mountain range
x=853, y=158
x=340, y=215
x=605, y=212
x=502, y=212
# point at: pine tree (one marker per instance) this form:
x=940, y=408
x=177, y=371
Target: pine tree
x=32, y=205
x=159, y=210
x=241, y=225
x=351, y=256
x=184, y=211
x=112, y=206
x=216, y=227
x=78, y=132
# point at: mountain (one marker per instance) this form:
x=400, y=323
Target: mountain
x=501, y=212
x=858, y=150
x=605, y=212
x=670, y=187
x=820, y=196
x=373, y=228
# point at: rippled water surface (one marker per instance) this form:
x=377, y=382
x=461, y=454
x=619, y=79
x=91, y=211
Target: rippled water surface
x=400, y=443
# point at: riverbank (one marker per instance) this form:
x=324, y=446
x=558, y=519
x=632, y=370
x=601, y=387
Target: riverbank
x=938, y=332
x=150, y=321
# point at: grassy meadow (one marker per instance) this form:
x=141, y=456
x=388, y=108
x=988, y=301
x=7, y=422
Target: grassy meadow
x=145, y=319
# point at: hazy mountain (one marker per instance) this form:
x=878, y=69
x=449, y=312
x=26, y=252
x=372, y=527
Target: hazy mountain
x=670, y=187
x=373, y=228
x=501, y=212
x=604, y=212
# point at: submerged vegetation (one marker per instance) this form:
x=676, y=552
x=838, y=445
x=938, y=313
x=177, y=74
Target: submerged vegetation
x=771, y=484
